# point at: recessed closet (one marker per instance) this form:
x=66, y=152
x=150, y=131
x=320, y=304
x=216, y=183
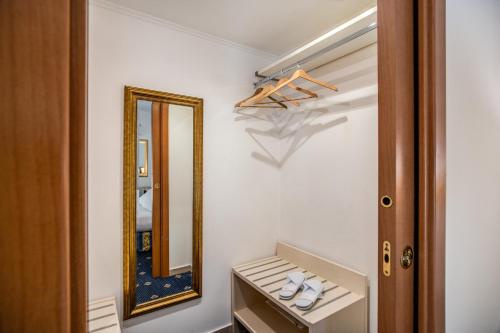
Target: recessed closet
x=298, y=166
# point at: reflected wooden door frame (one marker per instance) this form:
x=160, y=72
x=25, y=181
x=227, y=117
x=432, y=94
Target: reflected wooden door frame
x=161, y=241
x=156, y=214
x=165, y=189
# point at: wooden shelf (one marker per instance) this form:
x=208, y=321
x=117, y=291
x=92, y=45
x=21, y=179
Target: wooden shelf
x=259, y=318
x=257, y=306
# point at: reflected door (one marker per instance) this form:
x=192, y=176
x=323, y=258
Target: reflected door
x=160, y=133
x=172, y=142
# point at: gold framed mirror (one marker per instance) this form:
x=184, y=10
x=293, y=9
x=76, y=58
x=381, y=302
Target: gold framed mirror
x=162, y=200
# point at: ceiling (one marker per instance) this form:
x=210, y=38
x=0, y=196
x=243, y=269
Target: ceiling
x=273, y=26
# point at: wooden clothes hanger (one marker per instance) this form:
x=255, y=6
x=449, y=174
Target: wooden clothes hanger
x=261, y=94
x=258, y=92
x=299, y=74
x=293, y=86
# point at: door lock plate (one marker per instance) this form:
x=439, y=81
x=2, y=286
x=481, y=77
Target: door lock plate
x=386, y=258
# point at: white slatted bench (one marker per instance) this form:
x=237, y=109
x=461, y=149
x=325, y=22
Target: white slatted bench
x=103, y=317
x=257, y=307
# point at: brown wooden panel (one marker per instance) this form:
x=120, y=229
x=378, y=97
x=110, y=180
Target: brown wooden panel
x=396, y=160
x=78, y=165
x=42, y=130
x=156, y=129
x=165, y=265
x=432, y=165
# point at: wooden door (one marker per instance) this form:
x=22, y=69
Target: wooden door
x=43, y=280
x=160, y=253
x=397, y=215
x=411, y=61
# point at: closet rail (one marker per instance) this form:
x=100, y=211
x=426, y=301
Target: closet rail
x=299, y=63
x=366, y=18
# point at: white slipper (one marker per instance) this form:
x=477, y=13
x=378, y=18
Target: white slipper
x=293, y=282
x=313, y=289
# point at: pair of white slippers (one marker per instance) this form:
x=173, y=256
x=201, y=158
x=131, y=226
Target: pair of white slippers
x=312, y=290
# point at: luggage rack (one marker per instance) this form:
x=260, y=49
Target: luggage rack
x=256, y=304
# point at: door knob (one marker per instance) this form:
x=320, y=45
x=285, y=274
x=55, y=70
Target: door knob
x=407, y=257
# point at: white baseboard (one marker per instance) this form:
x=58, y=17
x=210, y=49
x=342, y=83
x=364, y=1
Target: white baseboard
x=223, y=329
x=180, y=270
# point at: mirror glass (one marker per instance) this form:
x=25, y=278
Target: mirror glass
x=162, y=200
x=164, y=219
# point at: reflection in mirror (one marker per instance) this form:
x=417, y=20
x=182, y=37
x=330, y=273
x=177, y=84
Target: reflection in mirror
x=142, y=158
x=162, y=242
x=164, y=249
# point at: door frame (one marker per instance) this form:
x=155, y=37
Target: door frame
x=431, y=165
x=43, y=202
x=412, y=151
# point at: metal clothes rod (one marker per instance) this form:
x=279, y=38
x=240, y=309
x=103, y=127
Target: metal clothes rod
x=329, y=48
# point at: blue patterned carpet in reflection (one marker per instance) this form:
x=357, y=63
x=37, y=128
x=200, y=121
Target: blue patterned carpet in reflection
x=149, y=288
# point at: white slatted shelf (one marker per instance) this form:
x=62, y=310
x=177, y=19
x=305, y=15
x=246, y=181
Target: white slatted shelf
x=259, y=278
x=257, y=263
x=103, y=317
x=268, y=275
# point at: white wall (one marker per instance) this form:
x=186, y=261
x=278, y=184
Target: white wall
x=241, y=195
x=180, y=185
x=473, y=166
x=329, y=184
